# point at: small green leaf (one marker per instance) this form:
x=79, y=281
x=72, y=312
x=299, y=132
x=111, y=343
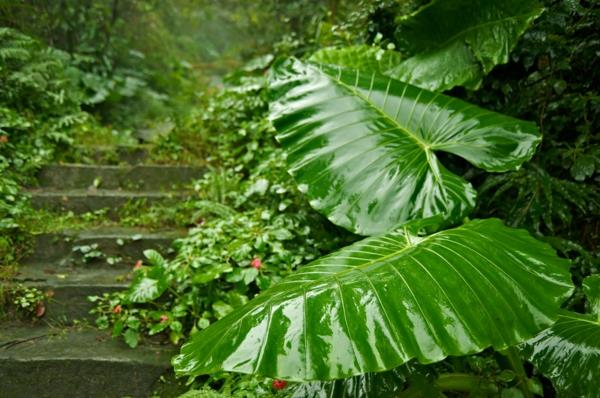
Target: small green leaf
x=203, y=323
x=221, y=309
x=260, y=187
x=282, y=234
x=117, y=328
x=583, y=167
x=148, y=284
x=250, y=275
x=176, y=326
x=157, y=328
x=102, y=322
x=131, y=338
x=207, y=273
x=154, y=258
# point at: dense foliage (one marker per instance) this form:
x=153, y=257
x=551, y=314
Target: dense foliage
x=39, y=106
x=298, y=120
x=251, y=227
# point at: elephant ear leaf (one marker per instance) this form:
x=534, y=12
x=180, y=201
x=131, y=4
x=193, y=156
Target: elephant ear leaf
x=382, y=301
x=568, y=353
x=458, y=42
x=363, y=146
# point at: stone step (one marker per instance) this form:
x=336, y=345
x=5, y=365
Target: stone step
x=126, y=243
x=68, y=287
x=71, y=363
x=115, y=154
x=139, y=177
x=87, y=200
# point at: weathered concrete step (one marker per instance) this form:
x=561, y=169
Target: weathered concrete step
x=48, y=363
x=140, y=177
x=125, y=243
x=68, y=288
x=87, y=200
x=116, y=154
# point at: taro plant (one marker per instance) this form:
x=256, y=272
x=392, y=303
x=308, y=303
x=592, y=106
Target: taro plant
x=362, y=148
x=365, y=148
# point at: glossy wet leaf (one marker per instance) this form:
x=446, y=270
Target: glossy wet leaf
x=568, y=353
x=458, y=42
x=363, y=146
x=382, y=301
x=591, y=288
x=370, y=385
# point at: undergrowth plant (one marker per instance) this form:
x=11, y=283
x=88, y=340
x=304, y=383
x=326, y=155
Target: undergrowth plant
x=39, y=107
x=248, y=224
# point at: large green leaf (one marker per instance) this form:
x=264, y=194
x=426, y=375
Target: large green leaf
x=568, y=354
x=458, y=42
x=363, y=146
x=384, y=300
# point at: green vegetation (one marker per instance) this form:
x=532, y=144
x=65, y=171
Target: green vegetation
x=382, y=212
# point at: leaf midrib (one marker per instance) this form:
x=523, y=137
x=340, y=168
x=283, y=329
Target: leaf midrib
x=425, y=146
x=349, y=268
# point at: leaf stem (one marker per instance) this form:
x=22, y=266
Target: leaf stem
x=458, y=382
x=517, y=365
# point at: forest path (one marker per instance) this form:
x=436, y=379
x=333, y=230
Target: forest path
x=61, y=354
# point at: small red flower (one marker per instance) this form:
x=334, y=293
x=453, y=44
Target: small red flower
x=138, y=265
x=3, y=139
x=164, y=318
x=256, y=263
x=279, y=384
x=117, y=309
x=40, y=309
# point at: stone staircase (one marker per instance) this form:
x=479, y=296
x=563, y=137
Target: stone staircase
x=53, y=358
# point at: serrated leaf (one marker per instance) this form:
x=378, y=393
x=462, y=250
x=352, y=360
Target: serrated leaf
x=458, y=42
x=363, y=146
x=384, y=300
x=568, y=353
